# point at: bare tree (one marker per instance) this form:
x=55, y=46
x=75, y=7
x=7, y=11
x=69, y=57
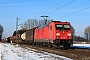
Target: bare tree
x=87, y=33
x=73, y=30
x=22, y=26
x=26, y=25
x=43, y=23
x=73, y=33
x=30, y=23
x=36, y=23
x=1, y=31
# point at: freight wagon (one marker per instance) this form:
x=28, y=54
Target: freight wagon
x=28, y=36
x=16, y=40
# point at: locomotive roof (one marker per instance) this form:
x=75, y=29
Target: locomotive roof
x=49, y=23
x=56, y=21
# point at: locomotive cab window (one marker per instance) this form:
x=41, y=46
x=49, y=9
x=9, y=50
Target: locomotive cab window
x=66, y=27
x=59, y=27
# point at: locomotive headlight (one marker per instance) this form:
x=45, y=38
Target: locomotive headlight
x=69, y=34
x=57, y=34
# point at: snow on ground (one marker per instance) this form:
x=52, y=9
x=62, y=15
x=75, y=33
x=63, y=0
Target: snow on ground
x=12, y=52
x=85, y=45
x=81, y=46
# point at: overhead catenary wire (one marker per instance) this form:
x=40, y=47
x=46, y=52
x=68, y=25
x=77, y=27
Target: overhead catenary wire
x=75, y=6
x=60, y=7
x=75, y=12
x=52, y=6
x=66, y=5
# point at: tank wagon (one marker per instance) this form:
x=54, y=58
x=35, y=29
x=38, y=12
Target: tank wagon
x=56, y=33
x=28, y=36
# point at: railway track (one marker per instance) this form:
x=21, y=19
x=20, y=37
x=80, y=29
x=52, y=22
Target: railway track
x=76, y=54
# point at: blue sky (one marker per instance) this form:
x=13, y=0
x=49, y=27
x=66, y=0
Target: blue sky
x=77, y=12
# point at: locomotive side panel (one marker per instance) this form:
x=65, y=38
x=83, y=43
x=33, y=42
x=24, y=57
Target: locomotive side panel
x=46, y=33
x=51, y=32
x=41, y=34
x=38, y=35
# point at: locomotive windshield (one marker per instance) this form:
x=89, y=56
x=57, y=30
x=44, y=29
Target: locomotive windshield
x=59, y=27
x=66, y=27
x=62, y=27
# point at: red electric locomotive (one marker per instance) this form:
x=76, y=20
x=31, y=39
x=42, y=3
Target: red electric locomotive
x=56, y=33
